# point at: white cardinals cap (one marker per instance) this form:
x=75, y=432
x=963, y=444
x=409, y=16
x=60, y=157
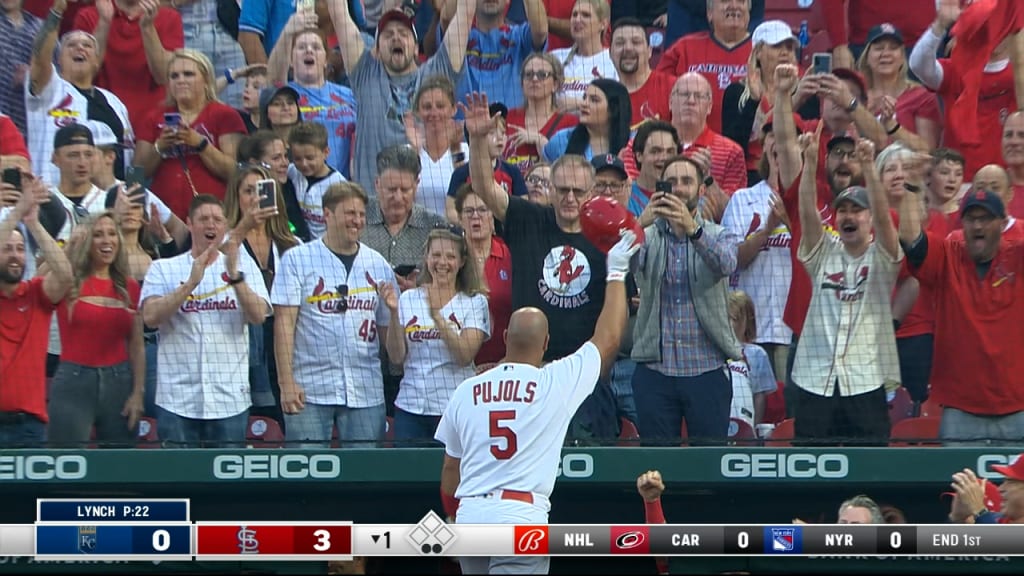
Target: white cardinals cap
x=773, y=32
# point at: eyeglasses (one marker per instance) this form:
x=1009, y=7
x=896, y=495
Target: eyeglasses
x=538, y=181
x=602, y=186
x=537, y=75
x=842, y=154
x=697, y=96
x=342, y=291
x=451, y=228
x=577, y=192
x=482, y=211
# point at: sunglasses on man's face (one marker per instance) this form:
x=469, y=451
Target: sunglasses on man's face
x=342, y=291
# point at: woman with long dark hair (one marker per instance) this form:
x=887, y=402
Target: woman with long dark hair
x=604, y=124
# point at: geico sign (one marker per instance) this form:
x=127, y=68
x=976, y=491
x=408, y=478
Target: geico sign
x=784, y=465
x=576, y=466
x=43, y=467
x=986, y=461
x=268, y=466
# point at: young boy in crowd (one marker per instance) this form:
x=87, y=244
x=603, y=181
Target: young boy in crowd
x=310, y=174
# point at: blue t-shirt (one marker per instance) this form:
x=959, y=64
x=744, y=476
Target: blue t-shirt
x=268, y=18
x=556, y=146
x=334, y=106
x=493, y=62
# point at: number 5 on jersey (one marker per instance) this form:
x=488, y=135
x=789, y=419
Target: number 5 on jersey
x=499, y=431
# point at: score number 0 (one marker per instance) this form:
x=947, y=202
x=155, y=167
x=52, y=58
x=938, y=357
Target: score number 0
x=161, y=540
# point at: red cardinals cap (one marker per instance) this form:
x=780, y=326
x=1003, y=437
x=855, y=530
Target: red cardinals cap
x=396, y=15
x=1014, y=471
x=601, y=219
x=855, y=77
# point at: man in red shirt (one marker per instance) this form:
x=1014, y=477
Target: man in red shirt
x=978, y=283
x=996, y=180
x=559, y=12
x=25, y=310
x=719, y=55
x=648, y=89
x=135, y=47
x=1013, y=158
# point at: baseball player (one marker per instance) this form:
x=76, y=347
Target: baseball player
x=503, y=429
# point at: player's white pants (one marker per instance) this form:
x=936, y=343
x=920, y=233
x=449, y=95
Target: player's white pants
x=496, y=511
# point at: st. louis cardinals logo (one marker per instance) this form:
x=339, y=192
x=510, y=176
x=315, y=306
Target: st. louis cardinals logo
x=62, y=113
x=531, y=540
x=566, y=275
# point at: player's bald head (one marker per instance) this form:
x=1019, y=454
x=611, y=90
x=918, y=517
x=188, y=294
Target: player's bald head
x=995, y=178
x=527, y=330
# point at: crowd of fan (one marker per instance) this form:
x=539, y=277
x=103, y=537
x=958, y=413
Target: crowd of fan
x=325, y=211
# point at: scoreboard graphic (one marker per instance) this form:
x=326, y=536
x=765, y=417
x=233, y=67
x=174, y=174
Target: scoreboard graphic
x=122, y=529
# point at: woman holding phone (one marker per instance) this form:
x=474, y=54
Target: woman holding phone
x=251, y=208
x=269, y=150
x=188, y=146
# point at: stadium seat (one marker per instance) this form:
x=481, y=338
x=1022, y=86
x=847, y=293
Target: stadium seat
x=915, y=432
x=901, y=407
x=264, y=432
x=389, y=432
x=775, y=405
x=931, y=408
x=628, y=435
x=684, y=433
x=783, y=433
x=336, y=437
x=147, y=435
x=741, y=433
x=92, y=439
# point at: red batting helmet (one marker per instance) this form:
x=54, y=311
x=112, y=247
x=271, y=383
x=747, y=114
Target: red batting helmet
x=602, y=218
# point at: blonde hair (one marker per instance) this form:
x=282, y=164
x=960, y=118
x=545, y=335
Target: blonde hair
x=276, y=226
x=79, y=253
x=865, y=69
x=601, y=11
x=205, y=68
x=741, y=305
x=557, y=73
x=468, y=280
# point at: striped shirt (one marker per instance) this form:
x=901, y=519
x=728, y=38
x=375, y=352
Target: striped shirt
x=16, y=47
x=686, y=350
x=728, y=167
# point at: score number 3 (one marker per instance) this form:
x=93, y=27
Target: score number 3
x=499, y=431
x=323, y=540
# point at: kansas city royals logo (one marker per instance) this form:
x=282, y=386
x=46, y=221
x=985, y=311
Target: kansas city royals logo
x=86, y=539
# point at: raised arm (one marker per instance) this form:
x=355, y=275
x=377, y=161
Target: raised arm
x=537, y=16
x=881, y=217
x=456, y=37
x=924, y=58
x=1017, y=59
x=157, y=57
x=612, y=321
x=810, y=218
x=277, y=65
x=784, y=127
x=394, y=341
x=41, y=69
x=105, y=11
x=350, y=40
x=479, y=124
x=59, y=275
x=911, y=206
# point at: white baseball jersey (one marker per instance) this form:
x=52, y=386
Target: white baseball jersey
x=203, y=361
x=507, y=425
x=581, y=70
x=431, y=373
x=311, y=198
x=766, y=280
x=336, y=351
x=848, y=335
x=751, y=375
x=57, y=105
x=92, y=203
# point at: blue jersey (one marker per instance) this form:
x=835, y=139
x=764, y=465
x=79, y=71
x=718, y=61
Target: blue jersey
x=334, y=106
x=494, y=61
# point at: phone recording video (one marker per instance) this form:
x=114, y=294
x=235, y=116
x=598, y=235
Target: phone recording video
x=172, y=120
x=12, y=176
x=662, y=188
x=821, y=63
x=267, y=191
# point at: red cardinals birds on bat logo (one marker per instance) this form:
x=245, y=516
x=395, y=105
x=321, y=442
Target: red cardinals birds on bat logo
x=566, y=271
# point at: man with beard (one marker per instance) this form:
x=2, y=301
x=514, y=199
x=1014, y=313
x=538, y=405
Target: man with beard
x=630, y=51
x=978, y=371
x=996, y=180
x=26, y=307
x=386, y=80
x=849, y=351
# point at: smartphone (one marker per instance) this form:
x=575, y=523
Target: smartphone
x=821, y=63
x=172, y=119
x=405, y=269
x=12, y=176
x=662, y=187
x=267, y=191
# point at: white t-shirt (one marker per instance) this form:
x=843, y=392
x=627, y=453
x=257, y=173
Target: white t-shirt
x=203, y=361
x=766, y=280
x=515, y=442
x=582, y=70
x=848, y=334
x=311, y=198
x=336, y=353
x=57, y=105
x=434, y=180
x=751, y=375
x=431, y=373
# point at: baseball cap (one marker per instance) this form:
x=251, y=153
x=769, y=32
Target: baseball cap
x=858, y=195
x=609, y=162
x=773, y=32
x=839, y=139
x=498, y=108
x=990, y=201
x=396, y=15
x=884, y=30
x=73, y=134
x=103, y=135
x=855, y=77
x=267, y=96
x=1014, y=471
x=602, y=219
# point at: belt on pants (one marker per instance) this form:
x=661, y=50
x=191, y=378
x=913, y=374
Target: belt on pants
x=516, y=495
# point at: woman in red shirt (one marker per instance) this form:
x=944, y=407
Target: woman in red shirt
x=530, y=127
x=188, y=146
x=100, y=380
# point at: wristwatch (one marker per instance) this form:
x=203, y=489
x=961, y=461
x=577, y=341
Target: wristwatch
x=853, y=105
x=913, y=189
x=977, y=515
x=238, y=280
x=202, y=145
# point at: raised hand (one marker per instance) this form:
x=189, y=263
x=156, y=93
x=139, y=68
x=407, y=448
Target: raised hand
x=786, y=77
x=650, y=486
x=947, y=12
x=755, y=83
x=386, y=293
x=105, y=10
x=836, y=90
x=300, y=20
x=456, y=134
x=620, y=254
x=479, y=121
x=969, y=491
x=810, y=143
x=34, y=194
x=412, y=130
x=149, y=11
x=200, y=264
x=865, y=152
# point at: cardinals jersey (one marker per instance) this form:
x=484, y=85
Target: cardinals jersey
x=507, y=424
x=580, y=71
x=310, y=194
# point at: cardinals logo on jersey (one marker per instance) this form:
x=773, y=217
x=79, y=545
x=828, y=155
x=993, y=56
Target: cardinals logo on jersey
x=62, y=113
x=566, y=275
x=416, y=332
x=837, y=283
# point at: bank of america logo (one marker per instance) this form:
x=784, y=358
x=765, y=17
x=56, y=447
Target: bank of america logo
x=247, y=542
x=783, y=539
x=86, y=539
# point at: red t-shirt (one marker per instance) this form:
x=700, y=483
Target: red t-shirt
x=978, y=366
x=125, y=71
x=561, y=9
x=727, y=165
x=498, y=273
x=921, y=317
x=11, y=141
x=24, y=334
x=40, y=8
x=1016, y=207
x=93, y=335
x=996, y=100
x=170, y=182
x=524, y=157
x=699, y=52
x=650, y=102
x=1014, y=232
x=918, y=102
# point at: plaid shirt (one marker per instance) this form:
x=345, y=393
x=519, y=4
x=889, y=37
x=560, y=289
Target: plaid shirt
x=16, y=48
x=406, y=247
x=686, y=350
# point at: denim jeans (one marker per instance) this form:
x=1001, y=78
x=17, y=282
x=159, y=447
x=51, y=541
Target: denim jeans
x=622, y=388
x=415, y=430
x=662, y=402
x=259, y=368
x=181, y=432
x=82, y=397
x=21, y=430
x=222, y=50
x=357, y=427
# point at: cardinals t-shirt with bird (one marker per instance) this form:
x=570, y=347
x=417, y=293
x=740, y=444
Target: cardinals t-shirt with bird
x=560, y=273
